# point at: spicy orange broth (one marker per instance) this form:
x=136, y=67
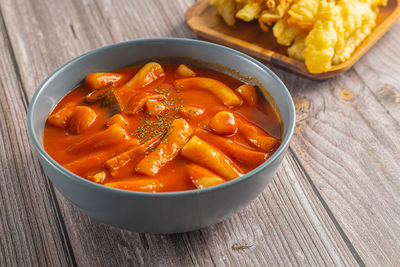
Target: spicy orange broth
x=173, y=176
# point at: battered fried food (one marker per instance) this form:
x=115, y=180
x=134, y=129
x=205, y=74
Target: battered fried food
x=321, y=33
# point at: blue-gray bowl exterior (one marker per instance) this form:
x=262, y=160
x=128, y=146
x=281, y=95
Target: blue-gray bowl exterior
x=157, y=212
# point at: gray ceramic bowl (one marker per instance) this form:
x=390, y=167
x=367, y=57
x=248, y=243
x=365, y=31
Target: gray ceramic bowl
x=158, y=212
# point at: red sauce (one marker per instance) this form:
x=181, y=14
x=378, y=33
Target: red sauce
x=173, y=176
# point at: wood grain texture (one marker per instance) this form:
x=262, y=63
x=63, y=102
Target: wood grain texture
x=285, y=226
x=350, y=149
x=380, y=73
x=202, y=247
x=334, y=200
x=32, y=232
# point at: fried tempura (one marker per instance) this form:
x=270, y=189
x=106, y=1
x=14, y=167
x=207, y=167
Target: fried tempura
x=321, y=33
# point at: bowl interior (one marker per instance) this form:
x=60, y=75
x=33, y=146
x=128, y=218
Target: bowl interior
x=116, y=56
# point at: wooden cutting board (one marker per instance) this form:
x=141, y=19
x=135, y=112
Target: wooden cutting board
x=203, y=20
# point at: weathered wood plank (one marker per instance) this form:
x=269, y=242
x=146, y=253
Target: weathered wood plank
x=52, y=35
x=289, y=233
x=41, y=33
x=285, y=226
x=379, y=70
x=145, y=19
x=32, y=232
x=347, y=141
x=278, y=228
x=97, y=244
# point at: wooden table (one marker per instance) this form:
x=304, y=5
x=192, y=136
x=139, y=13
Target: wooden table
x=334, y=201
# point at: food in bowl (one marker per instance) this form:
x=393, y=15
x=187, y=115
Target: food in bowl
x=162, y=128
x=164, y=212
x=320, y=33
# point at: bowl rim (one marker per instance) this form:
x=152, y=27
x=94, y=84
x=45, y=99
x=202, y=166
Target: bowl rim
x=285, y=143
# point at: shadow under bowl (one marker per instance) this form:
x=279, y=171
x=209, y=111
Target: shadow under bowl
x=161, y=213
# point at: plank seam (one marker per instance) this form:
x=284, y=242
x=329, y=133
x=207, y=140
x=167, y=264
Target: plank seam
x=319, y=215
x=301, y=170
x=7, y=133
x=288, y=218
x=61, y=225
x=328, y=210
x=208, y=249
x=49, y=187
x=278, y=235
x=187, y=248
x=6, y=222
x=24, y=201
x=96, y=4
x=14, y=62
